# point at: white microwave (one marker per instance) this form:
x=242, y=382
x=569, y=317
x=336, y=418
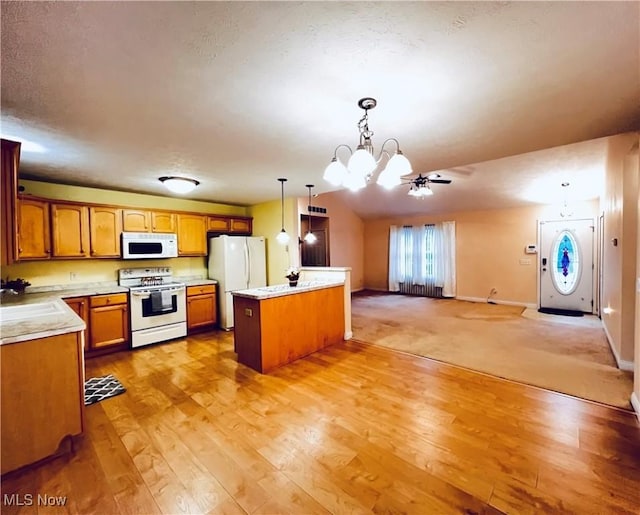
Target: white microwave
x=145, y=245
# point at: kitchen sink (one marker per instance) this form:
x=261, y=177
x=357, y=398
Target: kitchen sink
x=25, y=311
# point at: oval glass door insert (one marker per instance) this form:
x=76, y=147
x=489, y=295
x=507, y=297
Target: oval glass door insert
x=566, y=268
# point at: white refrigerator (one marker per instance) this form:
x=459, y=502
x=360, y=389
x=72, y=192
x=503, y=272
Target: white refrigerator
x=237, y=263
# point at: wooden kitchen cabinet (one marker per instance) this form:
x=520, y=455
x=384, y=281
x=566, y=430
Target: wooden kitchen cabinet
x=229, y=225
x=9, y=201
x=34, y=235
x=273, y=331
x=163, y=222
x=108, y=322
x=105, y=227
x=42, y=402
x=70, y=230
x=241, y=226
x=81, y=307
x=218, y=224
x=192, y=234
x=142, y=220
x=201, y=307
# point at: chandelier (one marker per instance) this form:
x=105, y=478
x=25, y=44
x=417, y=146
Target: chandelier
x=362, y=163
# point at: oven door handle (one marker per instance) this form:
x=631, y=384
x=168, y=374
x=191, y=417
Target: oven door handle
x=143, y=294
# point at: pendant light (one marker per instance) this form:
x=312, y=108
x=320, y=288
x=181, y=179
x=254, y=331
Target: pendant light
x=310, y=238
x=282, y=237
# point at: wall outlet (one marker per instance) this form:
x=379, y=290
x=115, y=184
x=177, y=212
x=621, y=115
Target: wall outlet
x=73, y=276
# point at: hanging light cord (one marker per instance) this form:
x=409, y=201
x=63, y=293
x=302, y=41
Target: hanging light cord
x=282, y=200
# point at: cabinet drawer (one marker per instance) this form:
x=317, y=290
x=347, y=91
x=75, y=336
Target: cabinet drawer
x=201, y=290
x=108, y=300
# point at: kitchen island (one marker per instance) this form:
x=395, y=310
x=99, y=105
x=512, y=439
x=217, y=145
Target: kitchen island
x=42, y=387
x=275, y=325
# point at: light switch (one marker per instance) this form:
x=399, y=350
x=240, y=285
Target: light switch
x=248, y=312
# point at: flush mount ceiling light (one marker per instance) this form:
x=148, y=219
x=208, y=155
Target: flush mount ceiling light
x=179, y=184
x=310, y=238
x=419, y=186
x=362, y=162
x=282, y=237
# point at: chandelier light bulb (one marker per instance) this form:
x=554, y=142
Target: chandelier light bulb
x=310, y=238
x=388, y=180
x=335, y=173
x=361, y=163
x=399, y=165
x=354, y=181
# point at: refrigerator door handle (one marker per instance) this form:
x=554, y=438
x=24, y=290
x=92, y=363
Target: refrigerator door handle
x=247, y=270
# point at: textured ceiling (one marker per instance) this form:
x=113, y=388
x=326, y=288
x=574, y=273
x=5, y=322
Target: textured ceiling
x=237, y=94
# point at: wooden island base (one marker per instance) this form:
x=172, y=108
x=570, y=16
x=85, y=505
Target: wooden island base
x=272, y=331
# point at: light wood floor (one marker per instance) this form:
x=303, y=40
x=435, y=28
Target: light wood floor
x=352, y=429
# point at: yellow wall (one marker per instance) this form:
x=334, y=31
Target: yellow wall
x=59, y=272
x=120, y=198
x=620, y=209
x=267, y=222
x=489, y=247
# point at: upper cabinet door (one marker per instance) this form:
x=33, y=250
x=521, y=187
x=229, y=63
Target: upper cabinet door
x=192, y=235
x=163, y=222
x=34, y=236
x=105, y=228
x=8, y=202
x=70, y=230
x=241, y=225
x=136, y=220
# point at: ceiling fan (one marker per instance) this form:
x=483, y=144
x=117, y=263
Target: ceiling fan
x=420, y=184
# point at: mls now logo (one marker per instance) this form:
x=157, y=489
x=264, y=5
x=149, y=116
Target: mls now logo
x=29, y=500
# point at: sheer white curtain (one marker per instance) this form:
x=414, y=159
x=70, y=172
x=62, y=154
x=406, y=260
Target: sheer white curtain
x=418, y=255
x=395, y=258
x=445, y=257
x=423, y=255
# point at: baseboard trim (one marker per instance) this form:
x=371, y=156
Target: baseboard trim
x=348, y=335
x=635, y=402
x=498, y=301
x=627, y=366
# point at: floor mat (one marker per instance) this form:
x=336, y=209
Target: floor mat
x=97, y=389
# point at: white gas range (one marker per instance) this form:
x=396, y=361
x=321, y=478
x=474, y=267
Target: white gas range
x=158, y=305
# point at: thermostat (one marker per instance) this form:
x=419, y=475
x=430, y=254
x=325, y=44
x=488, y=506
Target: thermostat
x=531, y=249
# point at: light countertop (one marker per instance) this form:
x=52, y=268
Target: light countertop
x=58, y=318
x=279, y=290
x=64, y=319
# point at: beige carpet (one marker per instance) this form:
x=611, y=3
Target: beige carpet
x=563, y=354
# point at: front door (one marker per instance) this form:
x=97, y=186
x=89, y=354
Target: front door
x=566, y=265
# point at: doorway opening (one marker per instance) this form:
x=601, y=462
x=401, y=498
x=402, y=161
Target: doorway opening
x=317, y=253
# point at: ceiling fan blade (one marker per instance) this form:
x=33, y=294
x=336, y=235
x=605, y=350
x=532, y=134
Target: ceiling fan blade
x=440, y=181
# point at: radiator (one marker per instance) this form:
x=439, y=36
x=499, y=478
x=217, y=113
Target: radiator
x=428, y=290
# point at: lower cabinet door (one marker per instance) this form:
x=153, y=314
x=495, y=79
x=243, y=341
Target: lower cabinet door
x=201, y=311
x=109, y=326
